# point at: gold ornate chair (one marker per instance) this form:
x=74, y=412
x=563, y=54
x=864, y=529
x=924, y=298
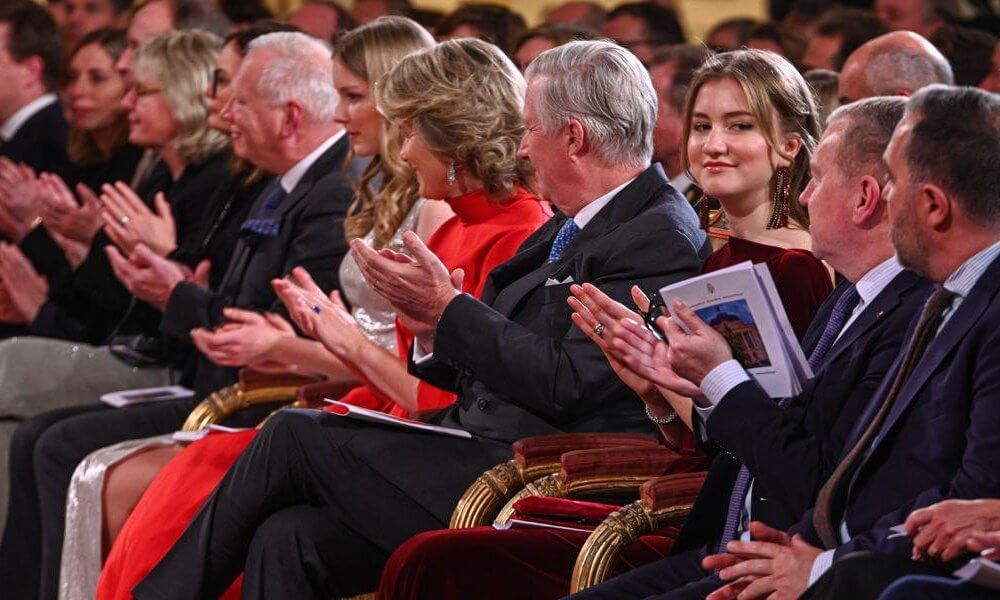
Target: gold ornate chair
x=534, y=458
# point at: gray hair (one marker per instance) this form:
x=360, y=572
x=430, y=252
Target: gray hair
x=891, y=69
x=301, y=70
x=869, y=126
x=955, y=145
x=606, y=89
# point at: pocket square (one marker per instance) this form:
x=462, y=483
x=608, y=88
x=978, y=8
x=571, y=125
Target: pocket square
x=554, y=281
x=255, y=229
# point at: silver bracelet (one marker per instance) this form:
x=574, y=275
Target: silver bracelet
x=661, y=420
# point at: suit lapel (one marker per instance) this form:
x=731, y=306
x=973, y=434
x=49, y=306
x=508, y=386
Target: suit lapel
x=625, y=205
x=883, y=304
x=966, y=315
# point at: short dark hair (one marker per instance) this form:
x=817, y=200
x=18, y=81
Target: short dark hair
x=741, y=25
x=662, y=25
x=499, y=25
x=243, y=37
x=955, y=144
x=33, y=32
x=870, y=123
x=245, y=11
x=970, y=52
x=558, y=34
x=120, y=6
x=854, y=27
x=686, y=58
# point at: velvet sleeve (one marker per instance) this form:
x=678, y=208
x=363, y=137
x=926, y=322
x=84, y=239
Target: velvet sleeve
x=803, y=283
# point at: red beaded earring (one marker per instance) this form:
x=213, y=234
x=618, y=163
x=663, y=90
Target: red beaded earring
x=781, y=198
x=702, y=207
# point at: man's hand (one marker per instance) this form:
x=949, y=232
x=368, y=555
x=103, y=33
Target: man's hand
x=986, y=543
x=148, y=276
x=128, y=221
x=26, y=290
x=62, y=214
x=321, y=317
x=246, y=339
x=773, y=566
x=693, y=355
x=943, y=531
x=419, y=288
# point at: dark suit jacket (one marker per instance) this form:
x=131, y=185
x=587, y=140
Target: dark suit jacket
x=519, y=364
x=92, y=304
x=41, y=143
x=791, y=451
x=311, y=236
x=941, y=438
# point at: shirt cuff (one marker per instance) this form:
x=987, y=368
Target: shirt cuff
x=821, y=564
x=419, y=356
x=721, y=380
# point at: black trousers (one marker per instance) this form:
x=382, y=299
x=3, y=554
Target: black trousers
x=865, y=575
x=45, y=451
x=314, y=507
x=677, y=577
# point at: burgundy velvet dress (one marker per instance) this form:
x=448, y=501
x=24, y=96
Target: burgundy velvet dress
x=536, y=564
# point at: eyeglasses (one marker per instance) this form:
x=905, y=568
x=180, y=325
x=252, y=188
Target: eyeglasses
x=656, y=309
x=142, y=92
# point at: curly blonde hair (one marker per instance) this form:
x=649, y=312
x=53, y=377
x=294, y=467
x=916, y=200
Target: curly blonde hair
x=464, y=99
x=369, y=52
x=182, y=62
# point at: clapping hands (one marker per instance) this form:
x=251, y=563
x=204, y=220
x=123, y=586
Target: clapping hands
x=324, y=318
x=63, y=215
x=246, y=339
x=26, y=291
x=129, y=222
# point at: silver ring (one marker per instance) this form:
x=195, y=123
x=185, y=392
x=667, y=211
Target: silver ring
x=123, y=220
x=316, y=309
x=599, y=330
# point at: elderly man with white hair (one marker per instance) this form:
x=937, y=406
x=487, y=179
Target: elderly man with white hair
x=281, y=116
x=316, y=503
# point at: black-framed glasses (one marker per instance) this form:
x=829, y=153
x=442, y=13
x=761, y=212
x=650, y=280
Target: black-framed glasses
x=657, y=308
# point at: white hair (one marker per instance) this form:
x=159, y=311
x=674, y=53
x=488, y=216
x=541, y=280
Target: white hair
x=606, y=89
x=301, y=69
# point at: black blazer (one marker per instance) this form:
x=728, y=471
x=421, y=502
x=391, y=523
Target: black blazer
x=92, y=304
x=311, y=236
x=940, y=439
x=39, y=247
x=41, y=143
x=790, y=452
x=519, y=364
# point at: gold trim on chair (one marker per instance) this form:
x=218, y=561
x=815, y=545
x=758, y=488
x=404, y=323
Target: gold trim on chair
x=491, y=489
x=229, y=400
x=605, y=545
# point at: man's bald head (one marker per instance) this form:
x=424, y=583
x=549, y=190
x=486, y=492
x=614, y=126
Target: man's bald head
x=895, y=64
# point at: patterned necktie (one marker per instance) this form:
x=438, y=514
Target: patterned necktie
x=263, y=225
x=566, y=234
x=923, y=335
x=841, y=311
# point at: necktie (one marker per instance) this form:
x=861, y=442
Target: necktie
x=838, y=317
x=263, y=225
x=566, y=234
x=923, y=335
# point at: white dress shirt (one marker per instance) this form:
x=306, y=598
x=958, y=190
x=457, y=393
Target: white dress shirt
x=12, y=125
x=293, y=176
x=961, y=283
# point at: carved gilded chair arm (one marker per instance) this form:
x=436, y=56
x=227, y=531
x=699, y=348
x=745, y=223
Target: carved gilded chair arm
x=254, y=388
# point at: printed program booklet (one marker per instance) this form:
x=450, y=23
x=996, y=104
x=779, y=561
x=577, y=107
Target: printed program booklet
x=373, y=416
x=742, y=303
x=146, y=395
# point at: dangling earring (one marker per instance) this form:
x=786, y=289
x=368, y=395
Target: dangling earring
x=703, y=209
x=452, y=176
x=780, y=198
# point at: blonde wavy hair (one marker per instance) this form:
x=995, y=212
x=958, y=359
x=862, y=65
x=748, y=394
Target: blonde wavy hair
x=464, y=98
x=769, y=83
x=369, y=52
x=182, y=63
